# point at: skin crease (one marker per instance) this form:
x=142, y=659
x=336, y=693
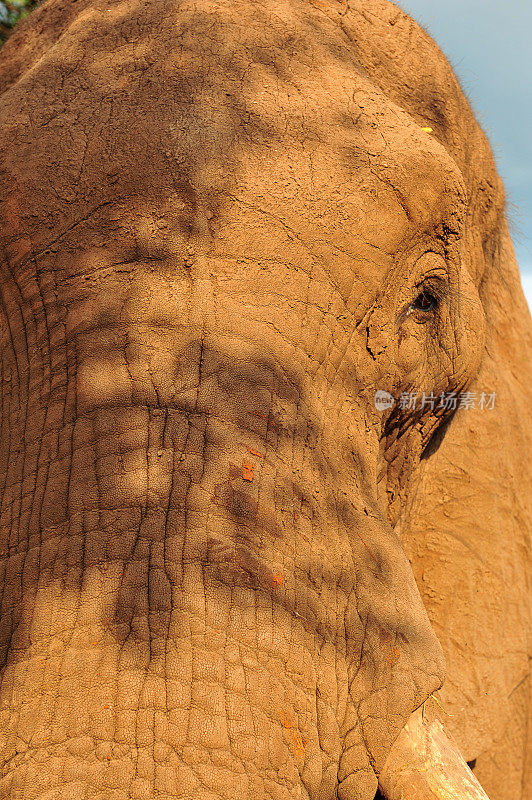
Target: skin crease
x=217, y=556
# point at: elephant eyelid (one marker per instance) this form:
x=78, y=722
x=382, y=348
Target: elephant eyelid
x=435, y=284
x=426, y=297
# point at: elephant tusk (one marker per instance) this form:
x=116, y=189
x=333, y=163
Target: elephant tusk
x=424, y=764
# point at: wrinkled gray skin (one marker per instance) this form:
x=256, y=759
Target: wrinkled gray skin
x=225, y=573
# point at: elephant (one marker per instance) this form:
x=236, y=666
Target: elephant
x=265, y=523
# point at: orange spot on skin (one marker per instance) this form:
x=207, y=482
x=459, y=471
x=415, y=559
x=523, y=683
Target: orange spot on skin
x=247, y=471
x=278, y=579
x=254, y=452
x=394, y=656
x=296, y=740
x=299, y=750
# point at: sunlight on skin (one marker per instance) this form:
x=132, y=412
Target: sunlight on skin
x=210, y=510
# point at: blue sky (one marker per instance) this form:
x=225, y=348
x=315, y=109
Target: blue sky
x=489, y=44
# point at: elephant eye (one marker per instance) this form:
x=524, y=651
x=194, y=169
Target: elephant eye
x=425, y=301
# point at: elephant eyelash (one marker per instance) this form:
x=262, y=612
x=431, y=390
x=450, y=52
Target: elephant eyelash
x=428, y=297
x=425, y=302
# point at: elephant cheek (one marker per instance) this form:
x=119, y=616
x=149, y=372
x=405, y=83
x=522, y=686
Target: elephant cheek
x=473, y=332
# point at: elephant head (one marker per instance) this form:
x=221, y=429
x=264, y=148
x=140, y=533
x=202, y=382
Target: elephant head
x=265, y=428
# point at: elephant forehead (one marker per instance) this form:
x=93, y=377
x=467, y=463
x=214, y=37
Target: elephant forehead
x=258, y=121
x=349, y=206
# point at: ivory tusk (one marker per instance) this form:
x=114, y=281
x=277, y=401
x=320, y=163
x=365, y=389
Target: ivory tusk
x=424, y=764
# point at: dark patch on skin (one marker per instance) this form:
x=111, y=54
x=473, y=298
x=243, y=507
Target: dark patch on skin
x=438, y=436
x=240, y=505
x=235, y=565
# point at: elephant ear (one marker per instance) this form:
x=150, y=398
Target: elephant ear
x=467, y=530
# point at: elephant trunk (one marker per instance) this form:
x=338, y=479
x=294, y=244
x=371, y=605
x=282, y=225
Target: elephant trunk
x=424, y=764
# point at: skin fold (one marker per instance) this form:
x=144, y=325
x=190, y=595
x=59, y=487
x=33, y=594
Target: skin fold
x=224, y=572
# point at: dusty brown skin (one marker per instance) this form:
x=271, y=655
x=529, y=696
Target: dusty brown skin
x=224, y=573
